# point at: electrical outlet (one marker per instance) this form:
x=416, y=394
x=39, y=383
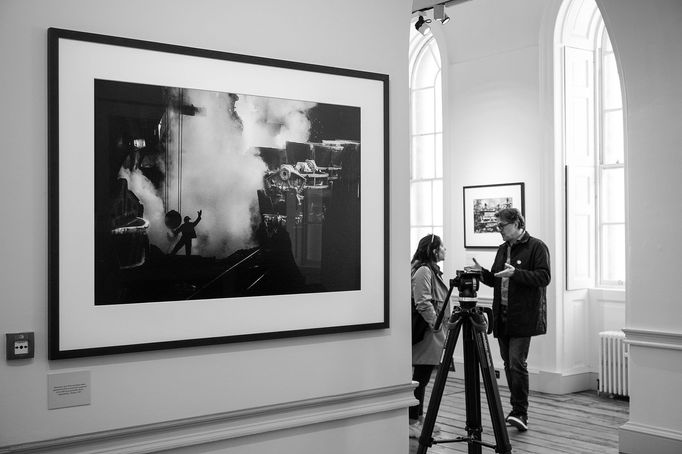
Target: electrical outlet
x=497, y=374
x=20, y=345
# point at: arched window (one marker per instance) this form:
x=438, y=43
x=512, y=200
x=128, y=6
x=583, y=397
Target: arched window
x=593, y=149
x=426, y=137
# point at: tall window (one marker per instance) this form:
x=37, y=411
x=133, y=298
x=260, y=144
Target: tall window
x=611, y=174
x=593, y=145
x=426, y=138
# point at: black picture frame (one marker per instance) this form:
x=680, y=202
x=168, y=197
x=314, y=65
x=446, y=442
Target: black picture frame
x=142, y=133
x=480, y=204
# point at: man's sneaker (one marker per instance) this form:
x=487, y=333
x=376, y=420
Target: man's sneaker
x=511, y=413
x=518, y=421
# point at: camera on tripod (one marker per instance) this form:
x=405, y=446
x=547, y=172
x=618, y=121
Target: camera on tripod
x=472, y=321
x=467, y=282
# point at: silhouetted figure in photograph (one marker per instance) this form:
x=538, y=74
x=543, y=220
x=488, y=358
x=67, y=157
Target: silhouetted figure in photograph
x=188, y=233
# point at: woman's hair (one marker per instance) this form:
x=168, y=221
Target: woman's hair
x=425, y=250
x=510, y=216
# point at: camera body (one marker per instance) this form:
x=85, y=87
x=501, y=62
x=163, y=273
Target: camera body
x=467, y=282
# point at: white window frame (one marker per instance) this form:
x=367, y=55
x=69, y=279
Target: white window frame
x=421, y=47
x=603, y=167
x=581, y=41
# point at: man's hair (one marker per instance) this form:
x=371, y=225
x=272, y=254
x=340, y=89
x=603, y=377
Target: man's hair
x=511, y=215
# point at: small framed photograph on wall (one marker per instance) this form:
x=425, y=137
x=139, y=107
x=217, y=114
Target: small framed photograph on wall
x=480, y=205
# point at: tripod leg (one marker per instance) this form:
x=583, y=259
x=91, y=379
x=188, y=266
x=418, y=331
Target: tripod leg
x=425, y=439
x=472, y=390
x=493, y=395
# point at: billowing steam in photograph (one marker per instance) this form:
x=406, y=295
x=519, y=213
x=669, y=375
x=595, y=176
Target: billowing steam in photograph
x=202, y=194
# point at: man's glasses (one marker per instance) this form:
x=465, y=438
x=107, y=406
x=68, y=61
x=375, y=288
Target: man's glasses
x=501, y=226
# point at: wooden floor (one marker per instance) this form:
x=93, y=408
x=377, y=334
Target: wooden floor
x=578, y=423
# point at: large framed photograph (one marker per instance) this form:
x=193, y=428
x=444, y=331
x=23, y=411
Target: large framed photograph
x=201, y=197
x=480, y=205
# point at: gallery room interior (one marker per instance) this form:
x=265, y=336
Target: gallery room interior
x=152, y=303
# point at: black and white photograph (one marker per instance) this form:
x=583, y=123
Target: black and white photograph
x=203, y=194
x=484, y=213
x=188, y=205
x=480, y=205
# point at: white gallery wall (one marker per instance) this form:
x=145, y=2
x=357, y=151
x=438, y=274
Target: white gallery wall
x=498, y=134
x=500, y=130
x=347, y=392
x=647, y=38
x=501, y=115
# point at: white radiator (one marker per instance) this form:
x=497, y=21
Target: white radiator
x=613, y=363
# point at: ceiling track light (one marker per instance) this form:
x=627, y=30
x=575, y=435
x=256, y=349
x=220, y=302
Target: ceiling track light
x=422, y=6
x=439, y=14
x=422, y=25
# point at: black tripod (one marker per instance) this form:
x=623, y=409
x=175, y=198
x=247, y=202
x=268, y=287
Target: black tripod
x=476, y=352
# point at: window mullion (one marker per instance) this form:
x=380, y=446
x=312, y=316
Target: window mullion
x=599, y=160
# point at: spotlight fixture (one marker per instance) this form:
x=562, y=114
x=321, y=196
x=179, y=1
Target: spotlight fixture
x=422, y=25
x=439, y=14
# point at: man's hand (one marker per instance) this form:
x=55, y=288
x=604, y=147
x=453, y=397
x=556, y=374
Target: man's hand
x=477, y=266
x=508, y=271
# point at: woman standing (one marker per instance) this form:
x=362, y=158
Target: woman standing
x=428, y=295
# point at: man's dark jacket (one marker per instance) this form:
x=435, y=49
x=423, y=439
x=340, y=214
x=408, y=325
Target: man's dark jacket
x=527, y=296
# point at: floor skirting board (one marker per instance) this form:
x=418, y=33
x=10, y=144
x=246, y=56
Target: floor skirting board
x=195, y=431
x=543, y=381
x=639, y=438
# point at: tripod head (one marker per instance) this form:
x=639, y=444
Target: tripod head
x=467, y=282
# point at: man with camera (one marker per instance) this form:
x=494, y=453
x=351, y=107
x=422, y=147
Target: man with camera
x=519, y=277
